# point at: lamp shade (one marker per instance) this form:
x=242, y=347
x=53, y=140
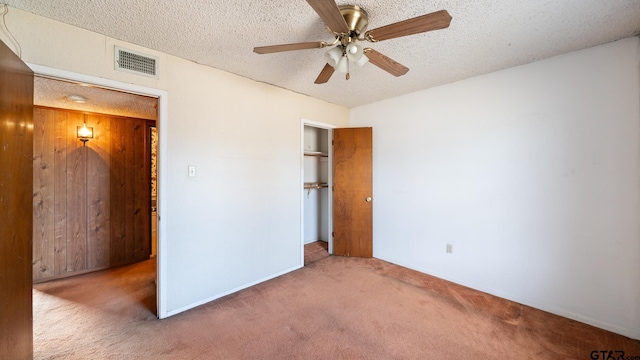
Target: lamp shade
x=333, y=56
x=363, y=60
x=343, y=65
x=84, y=133
x=354, y=52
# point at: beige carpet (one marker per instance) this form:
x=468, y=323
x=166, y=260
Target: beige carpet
x=334, y=308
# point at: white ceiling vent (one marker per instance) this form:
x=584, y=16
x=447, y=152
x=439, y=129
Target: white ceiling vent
x=135, y=62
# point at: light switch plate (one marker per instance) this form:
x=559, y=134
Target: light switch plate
x=192, y=171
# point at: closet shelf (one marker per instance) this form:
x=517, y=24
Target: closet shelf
x=315, y=185
x=315, y=153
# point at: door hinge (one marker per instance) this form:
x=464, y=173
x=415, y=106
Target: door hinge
x=333, y=234
x=331, y=142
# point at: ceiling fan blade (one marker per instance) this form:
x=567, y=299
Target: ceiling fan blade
x=325, y=74
x=434, y=21
x=288, y=47
x=385, y=63
x=330, y=13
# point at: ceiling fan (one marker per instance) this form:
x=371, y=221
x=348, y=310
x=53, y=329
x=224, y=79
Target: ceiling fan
x=348, y=23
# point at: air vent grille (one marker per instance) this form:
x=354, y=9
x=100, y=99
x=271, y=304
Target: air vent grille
x=134, y=62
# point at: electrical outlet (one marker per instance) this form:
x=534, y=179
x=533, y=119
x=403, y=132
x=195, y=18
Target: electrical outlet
x=449, y=248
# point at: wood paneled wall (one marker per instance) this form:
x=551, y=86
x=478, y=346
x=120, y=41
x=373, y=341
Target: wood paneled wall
x=91, y=204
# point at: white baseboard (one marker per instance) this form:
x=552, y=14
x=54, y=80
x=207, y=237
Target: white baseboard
x=217, y=296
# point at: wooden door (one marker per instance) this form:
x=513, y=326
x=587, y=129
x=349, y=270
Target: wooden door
x=353, y=192
x=16, y=185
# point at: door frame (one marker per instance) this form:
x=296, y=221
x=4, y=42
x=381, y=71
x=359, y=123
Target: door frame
x=162, y=125
x=329, y=128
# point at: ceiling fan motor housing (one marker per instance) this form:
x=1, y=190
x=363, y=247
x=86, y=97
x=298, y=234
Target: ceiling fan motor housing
x=357, y=20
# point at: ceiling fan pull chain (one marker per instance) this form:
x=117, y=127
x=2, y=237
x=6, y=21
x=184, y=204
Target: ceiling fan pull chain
x=348, y=76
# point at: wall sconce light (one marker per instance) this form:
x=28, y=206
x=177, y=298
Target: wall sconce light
x=84, y=133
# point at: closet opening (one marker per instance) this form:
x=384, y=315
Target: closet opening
x=317, y=194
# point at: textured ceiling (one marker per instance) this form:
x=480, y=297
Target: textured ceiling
x=484, y=36
x=54, y=93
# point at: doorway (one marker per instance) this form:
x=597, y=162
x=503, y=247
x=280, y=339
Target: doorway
x=161, y=99
x=92, y=195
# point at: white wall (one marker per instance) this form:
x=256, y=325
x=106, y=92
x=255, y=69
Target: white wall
x=311, y=199
x=531, y=173
x=238, y=221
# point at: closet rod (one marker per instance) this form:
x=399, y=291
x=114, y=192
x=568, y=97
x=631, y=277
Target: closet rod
x=315, y=185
